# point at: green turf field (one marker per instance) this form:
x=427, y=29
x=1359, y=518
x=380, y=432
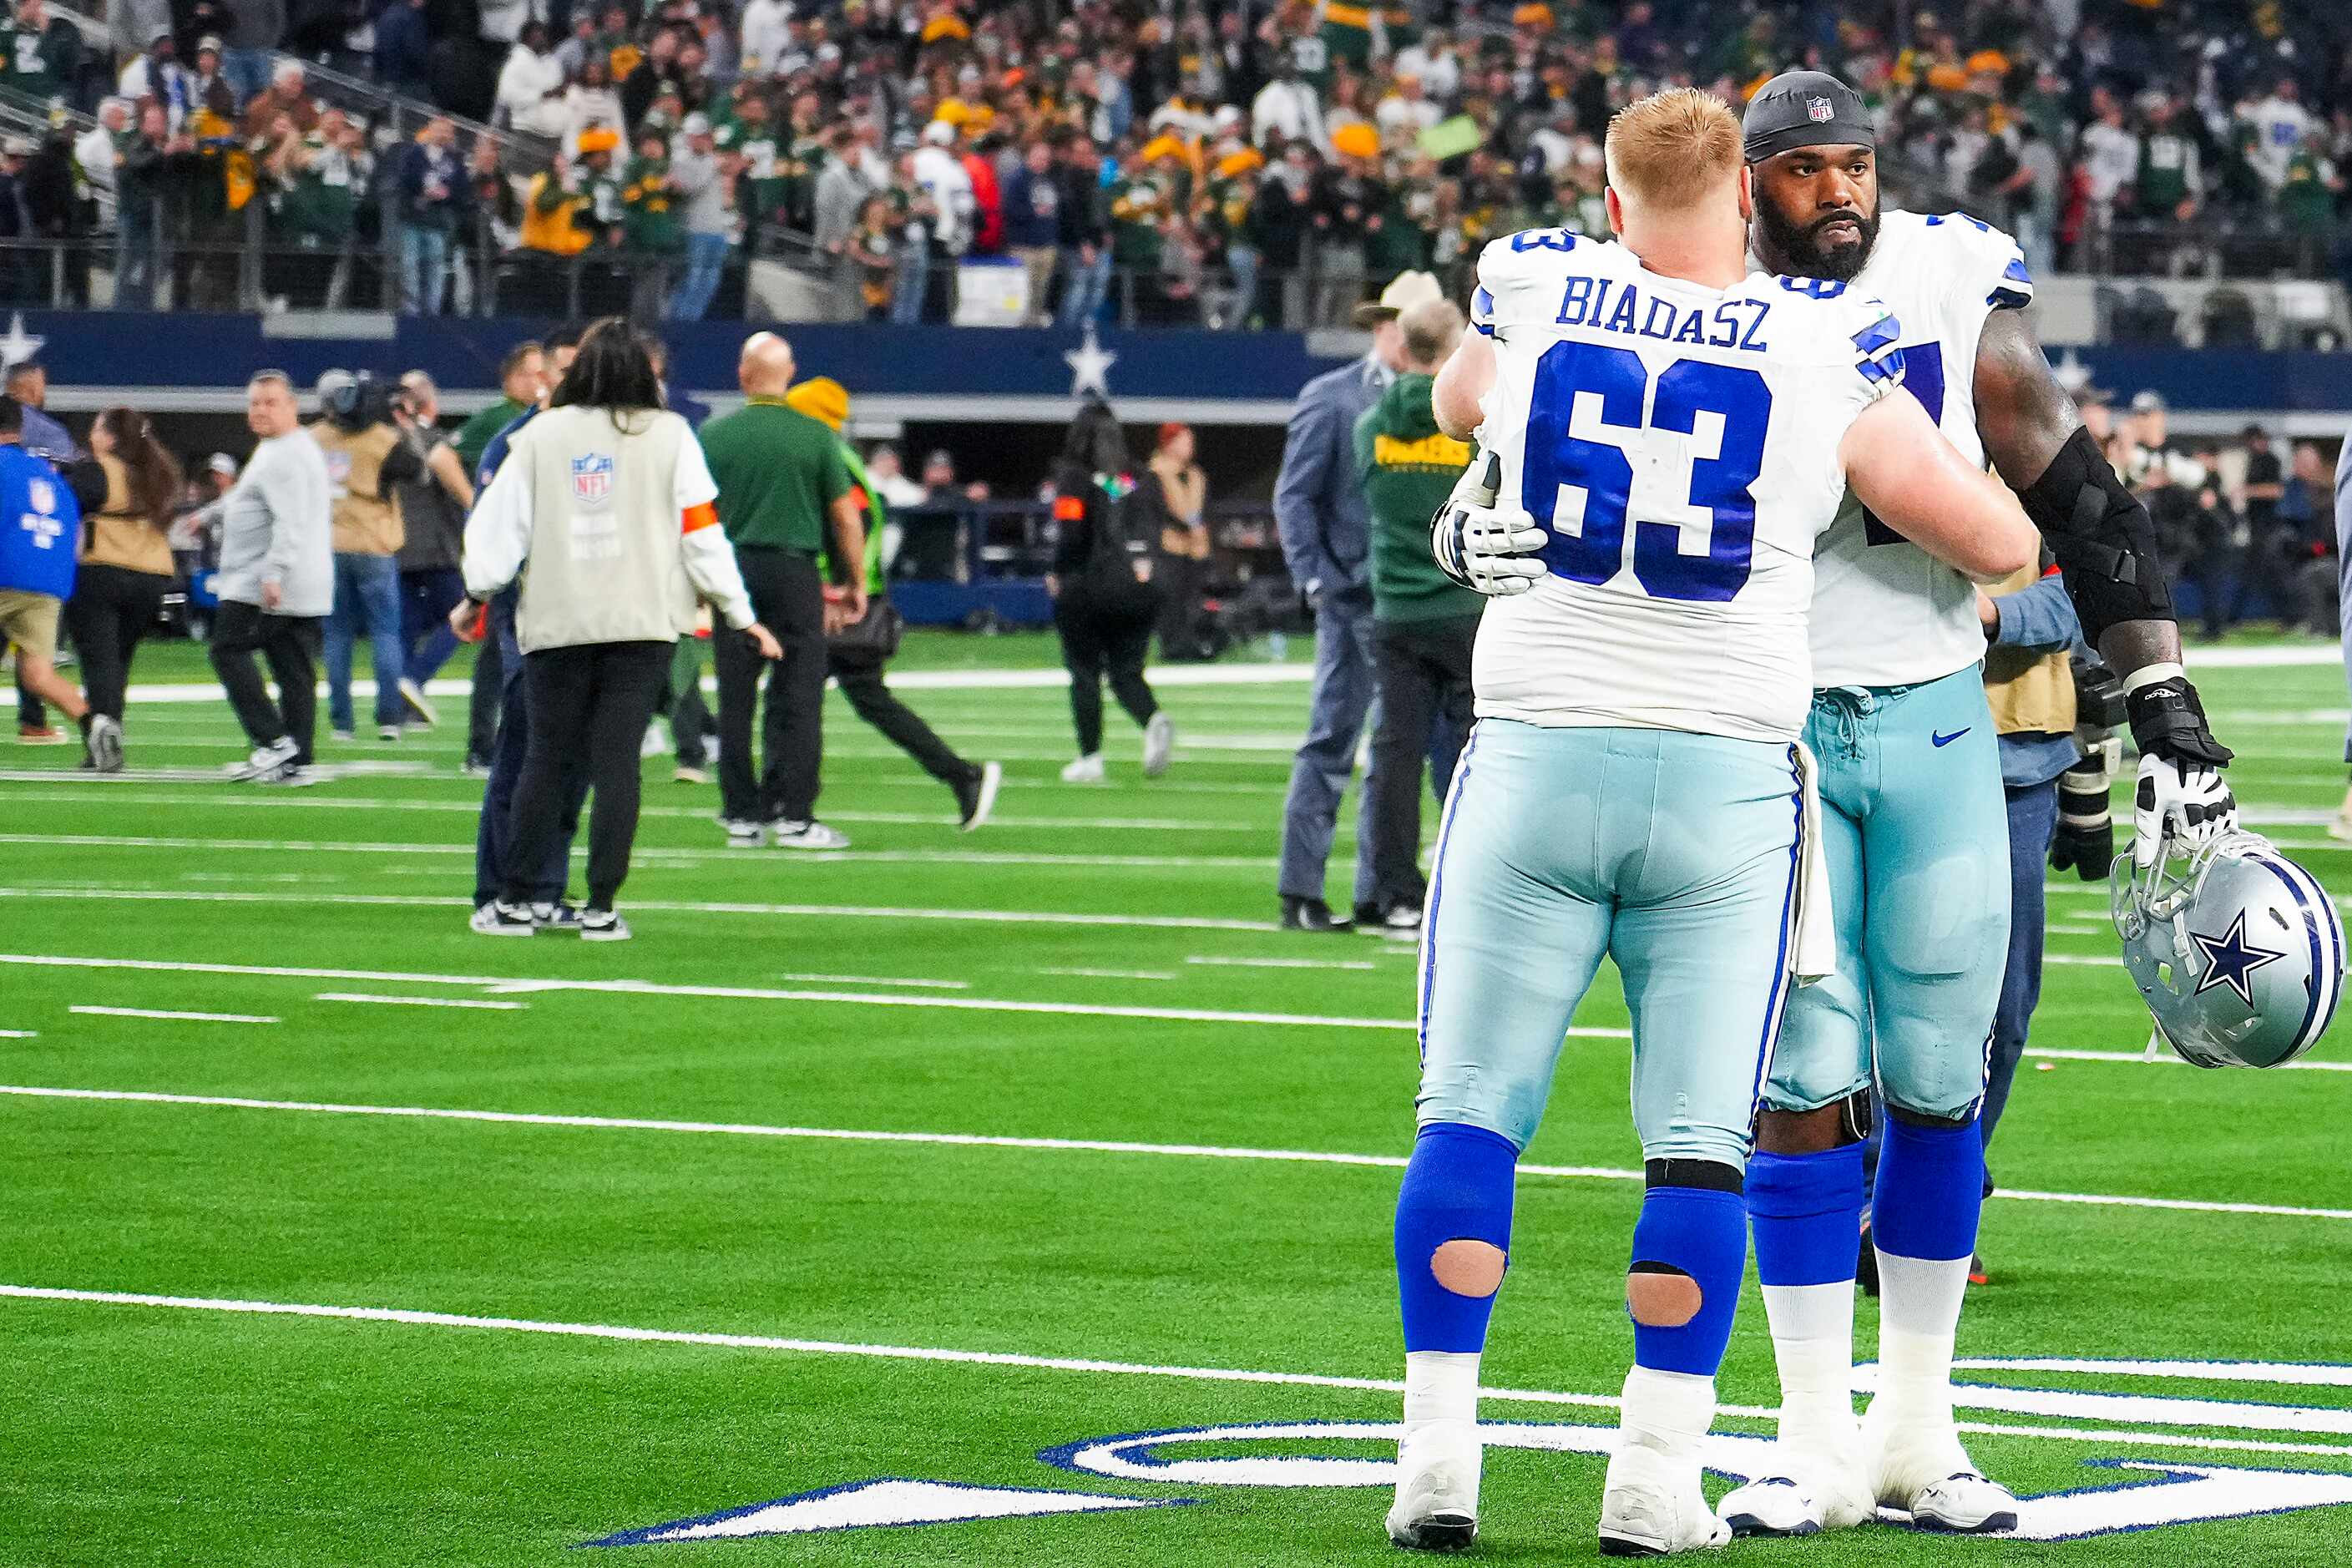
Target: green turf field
x=948, y=1157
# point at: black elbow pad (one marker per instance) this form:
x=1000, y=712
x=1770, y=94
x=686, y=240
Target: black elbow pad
x=2103, y=538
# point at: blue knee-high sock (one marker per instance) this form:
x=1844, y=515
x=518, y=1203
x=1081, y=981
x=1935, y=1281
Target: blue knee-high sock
x=1702, y=1234
x=1930, y=1190
x=1806, y=1210
x=1457, y=1186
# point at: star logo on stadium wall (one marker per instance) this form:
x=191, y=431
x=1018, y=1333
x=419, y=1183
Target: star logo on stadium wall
x=2231, y=960
x=19, y=345
x=2071, y=373
x=1089, y=366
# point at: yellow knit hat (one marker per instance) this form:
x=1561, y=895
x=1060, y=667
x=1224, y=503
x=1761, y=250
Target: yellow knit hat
x=821, y=398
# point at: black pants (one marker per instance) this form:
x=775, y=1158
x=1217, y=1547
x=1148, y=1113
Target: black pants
x=1102, y=636
x=2210, y=570
x=2265, y=565
x=110, y=612
x=859, y=673
x=789, y=596
x=1423, y=671
x=482, y=707
x=290, y=644
x=1180, y=579
x=589, y=707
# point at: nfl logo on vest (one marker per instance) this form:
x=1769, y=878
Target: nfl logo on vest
x=592, y=479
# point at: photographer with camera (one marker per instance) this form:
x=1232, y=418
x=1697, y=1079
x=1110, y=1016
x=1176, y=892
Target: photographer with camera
x=359, y=429
x=2057, y=755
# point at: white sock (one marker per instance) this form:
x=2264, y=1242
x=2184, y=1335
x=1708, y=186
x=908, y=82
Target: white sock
x=1665, y=1412
x=1919, y=1318
x=1812, y=1341
x=1440, y=1385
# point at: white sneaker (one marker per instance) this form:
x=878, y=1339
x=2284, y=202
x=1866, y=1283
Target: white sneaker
x=2339, y=827
x=1087, y=769
x=1651, y=1506
x=1810, y=1490
x=745, y=835
x=1436, y=1506
x=387, y=732
x=413, y=696
x=1921, y=1467
x=104, y=744
x=655, y=741
x=265, y=760
x=1158, y=744
x=811, y=835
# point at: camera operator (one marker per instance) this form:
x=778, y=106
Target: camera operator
x=359, y=429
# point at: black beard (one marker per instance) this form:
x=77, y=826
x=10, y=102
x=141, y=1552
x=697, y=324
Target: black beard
x=1798, y=252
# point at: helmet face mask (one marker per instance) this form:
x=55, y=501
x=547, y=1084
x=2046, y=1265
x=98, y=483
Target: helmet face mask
x=2238, y=952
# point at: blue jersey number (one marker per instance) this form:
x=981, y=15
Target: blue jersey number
x=1923, y=373
x=1686, y=389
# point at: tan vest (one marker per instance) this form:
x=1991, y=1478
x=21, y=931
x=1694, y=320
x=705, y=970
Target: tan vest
x=115, y=535
x=2031, y=693
x=607, y=558
x=365, y=524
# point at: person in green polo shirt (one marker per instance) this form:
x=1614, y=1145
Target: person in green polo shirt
x=782, y=485
x=522, y=376
x=1424, y=623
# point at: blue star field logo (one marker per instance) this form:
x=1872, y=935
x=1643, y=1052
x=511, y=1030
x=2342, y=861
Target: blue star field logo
x=2231, y=960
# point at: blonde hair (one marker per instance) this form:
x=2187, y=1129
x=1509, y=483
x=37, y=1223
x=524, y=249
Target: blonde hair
x=1673, y=148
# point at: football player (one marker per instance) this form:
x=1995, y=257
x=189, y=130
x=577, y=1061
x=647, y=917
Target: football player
x=1914, y=826
x=1682, y=431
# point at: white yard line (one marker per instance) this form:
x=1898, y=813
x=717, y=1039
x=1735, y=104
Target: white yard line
x=1084, y=973
x=415, y=1318
x=419, y=1001
x=879, y=980
x=1282, y=962
x=2140, y=1059
x=669, y=906
x=648, y=855
x=987, y=1140
x=745, y=993
x=286, y=801
x=20, y=1033
x=184, y=1017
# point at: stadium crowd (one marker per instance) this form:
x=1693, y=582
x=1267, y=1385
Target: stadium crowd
x=1178, y=164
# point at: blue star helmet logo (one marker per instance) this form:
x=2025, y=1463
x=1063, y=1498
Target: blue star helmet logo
x=2231, y=960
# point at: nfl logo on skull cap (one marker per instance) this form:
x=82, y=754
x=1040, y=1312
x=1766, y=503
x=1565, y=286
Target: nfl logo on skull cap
x=1819, y=111
x=592, y=479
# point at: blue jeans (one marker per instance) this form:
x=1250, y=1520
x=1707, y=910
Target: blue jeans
x=506, y=771
x=1243, y=260
x=2033, y=819
x=1344, y=686
x=426, y=597
x=914, y=284
x=706, y=260
x=248, y=71
x=367, y=599
x=1082, y=297
x=424, y=268
x=138, y=256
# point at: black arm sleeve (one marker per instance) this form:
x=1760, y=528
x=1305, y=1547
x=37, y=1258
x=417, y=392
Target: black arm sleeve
x=2103, y=538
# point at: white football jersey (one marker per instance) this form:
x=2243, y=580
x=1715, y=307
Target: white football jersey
x=1886, y=613
x=1681, y=444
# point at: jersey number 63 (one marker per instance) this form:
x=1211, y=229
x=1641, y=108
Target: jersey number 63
x=1558, y=457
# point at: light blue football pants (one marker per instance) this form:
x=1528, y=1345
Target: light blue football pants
x=1674, y=854
x=1916, y=831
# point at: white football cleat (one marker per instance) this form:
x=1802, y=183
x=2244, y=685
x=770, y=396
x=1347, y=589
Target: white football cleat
x=1087, y=769
x=1808, y=1490
x=1922, y=1468
x=1158, y=744
x=1651, y=1506
x=1436, y=1506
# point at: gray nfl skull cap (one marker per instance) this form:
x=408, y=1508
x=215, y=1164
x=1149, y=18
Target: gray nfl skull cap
x=1805, y=108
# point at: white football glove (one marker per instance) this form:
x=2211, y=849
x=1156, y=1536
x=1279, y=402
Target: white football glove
x=1490, y=548
x=2180, y=807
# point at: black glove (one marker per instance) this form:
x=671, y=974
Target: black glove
x=2085, y=839
x=2168, y=721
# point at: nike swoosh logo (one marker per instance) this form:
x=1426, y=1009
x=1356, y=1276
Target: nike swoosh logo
x=1947, y=740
